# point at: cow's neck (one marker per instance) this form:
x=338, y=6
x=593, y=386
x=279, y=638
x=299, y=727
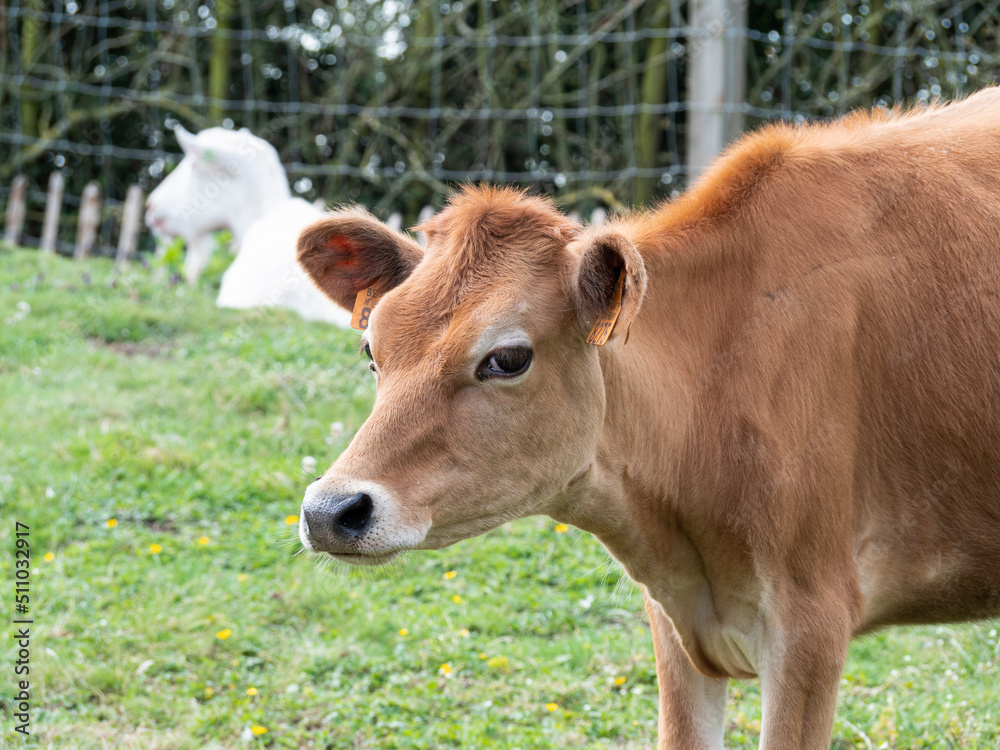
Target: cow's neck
x=636, y=497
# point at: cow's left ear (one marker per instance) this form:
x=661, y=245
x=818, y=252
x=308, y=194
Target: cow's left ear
x=609, y=282
x=349, y=251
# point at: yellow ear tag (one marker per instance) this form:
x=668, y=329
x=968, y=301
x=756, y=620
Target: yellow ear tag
x=605, y=324
x=364, y=303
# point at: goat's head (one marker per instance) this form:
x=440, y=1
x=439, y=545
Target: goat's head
x=224, y=180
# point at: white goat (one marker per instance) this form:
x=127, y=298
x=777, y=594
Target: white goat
x=233, y=180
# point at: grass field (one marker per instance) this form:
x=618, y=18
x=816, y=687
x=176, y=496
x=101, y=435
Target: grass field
x=154, y=445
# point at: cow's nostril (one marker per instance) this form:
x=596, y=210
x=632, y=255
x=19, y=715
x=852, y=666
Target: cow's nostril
x=355, y=515
x=334, y=523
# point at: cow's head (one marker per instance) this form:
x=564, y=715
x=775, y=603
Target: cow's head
x=490, y=401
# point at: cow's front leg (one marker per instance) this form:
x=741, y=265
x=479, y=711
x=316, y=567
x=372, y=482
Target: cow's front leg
x=692, y=706
x=804, y=657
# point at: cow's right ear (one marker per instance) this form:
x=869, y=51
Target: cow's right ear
x=350, y=250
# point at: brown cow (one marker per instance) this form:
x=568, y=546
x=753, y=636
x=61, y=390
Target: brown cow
x=792, y=436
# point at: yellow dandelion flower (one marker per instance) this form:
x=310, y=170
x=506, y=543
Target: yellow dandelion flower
x=464, y=632
x=49, y=557
x=203, y=540
x=551, y=706
x=482, y=656
x=497, y=662
x=209, y=692
x=561, y=528
x=449, y=575
x=404, y=632
x=457, y=599
x=155, y=549
x=241, y=577
x=112, y=522
x=620, y=680
x=445, y=668
x=258, y=730
x=251, y=691
x=223, y=634
x=291, y=520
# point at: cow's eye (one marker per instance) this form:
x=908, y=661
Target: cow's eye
x=505, y=362
x=368, y=353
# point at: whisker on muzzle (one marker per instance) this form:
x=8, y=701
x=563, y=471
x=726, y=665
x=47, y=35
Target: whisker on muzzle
x=287, y=541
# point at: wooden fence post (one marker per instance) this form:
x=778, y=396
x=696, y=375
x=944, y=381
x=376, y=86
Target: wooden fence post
x=90, y=218
x=736, y=66
x=716, y=76
x=128, y=240
x=16, y=208
x=53, y=208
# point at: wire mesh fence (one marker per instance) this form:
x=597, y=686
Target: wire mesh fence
x=392, y=102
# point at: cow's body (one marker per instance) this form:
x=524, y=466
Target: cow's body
x=798, y=439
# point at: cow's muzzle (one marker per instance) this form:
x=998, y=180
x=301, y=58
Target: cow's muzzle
x=357, y=522
x=336, y=523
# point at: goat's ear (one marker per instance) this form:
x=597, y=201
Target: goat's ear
x=188, y=142
x=350, y=250
x=609, y=283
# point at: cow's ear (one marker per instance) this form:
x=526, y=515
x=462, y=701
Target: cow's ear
x=349, y=251
x=609, y=282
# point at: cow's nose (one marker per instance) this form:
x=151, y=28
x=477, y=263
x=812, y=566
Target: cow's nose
x=340, y=518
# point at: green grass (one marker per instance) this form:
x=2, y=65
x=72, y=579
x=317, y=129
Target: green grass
x=123, y=397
